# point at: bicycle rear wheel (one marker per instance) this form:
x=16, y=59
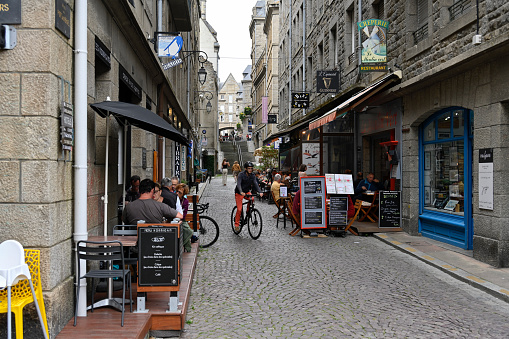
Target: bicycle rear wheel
x=254, y=224
x=234, y=212
x=209, y=231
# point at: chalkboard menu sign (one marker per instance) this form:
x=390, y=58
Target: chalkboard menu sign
x=338, y=211
x=158, y=256
x=312, y=202
x=390, y=209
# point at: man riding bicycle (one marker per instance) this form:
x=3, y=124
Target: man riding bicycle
x=246, y=182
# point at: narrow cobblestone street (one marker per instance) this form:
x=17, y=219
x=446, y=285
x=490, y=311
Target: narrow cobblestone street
x=353, y=287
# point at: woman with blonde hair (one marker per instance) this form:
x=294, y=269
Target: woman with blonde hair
x=236, y=170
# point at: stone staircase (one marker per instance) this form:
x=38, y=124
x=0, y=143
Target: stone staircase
x=246, y=155
x=229, y=153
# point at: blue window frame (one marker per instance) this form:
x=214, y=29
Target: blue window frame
x=445, y=177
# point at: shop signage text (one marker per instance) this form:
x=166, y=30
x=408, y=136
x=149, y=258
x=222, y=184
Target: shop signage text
x=486, y=178
x=374, y=47
x=327, y=81
x=102, y=52
x=272, y=119
x=63, y=17
x=300, y=100
x=10, y=12
x=129, y=81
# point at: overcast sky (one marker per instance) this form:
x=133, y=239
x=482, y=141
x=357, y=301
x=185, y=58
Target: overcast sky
x=230, y=19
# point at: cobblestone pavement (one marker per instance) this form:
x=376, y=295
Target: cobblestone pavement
x=355, y=287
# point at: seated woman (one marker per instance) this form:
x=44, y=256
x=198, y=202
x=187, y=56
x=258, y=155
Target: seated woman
x=187, y=232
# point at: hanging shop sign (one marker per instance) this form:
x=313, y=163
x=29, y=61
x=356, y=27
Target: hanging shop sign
x=10, y=12
x=300, y=100
x=177, y=160
x=272, y=119
x=312, y=203
x=486, y=178
x=63, y=17
x=169, y=46
x=327, y=81
x=374, y=46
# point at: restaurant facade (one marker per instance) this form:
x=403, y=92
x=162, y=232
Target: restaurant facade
x=437, y=134
x=44, y=135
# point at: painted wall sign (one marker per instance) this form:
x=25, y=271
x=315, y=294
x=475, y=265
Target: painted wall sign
x=10, y=12
x=374, y=46
x=486, y=178
x=126, y=78
x=63, y=17
x=102, y=53
x=327, y=81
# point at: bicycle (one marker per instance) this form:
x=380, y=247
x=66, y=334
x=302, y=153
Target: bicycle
x=253, y=219
x=208, y=229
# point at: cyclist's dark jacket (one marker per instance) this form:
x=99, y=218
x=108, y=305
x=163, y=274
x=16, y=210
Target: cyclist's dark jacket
x=246, y=182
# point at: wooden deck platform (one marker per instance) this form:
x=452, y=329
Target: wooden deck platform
x=105, y=322
x=371, y=227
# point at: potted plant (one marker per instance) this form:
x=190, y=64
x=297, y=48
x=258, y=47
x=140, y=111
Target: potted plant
x=199, y=176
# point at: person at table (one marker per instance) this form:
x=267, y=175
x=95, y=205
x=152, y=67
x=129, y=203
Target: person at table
x=133, y=192
x=148, y=209
x=276, y=185
x=358, y=179
x=369, y=184
x=168, y=195
x=296, y=205
x=187, y=232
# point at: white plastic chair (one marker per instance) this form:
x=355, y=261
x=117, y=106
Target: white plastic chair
x=13, y=269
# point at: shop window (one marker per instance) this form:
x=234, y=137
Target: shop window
x=444, y=174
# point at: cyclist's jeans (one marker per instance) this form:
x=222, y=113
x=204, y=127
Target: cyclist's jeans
x=238, y=202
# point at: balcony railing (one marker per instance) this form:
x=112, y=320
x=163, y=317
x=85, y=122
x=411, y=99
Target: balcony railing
x=458, y=8
x=421, y=34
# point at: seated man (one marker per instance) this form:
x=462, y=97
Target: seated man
x=145, y=208
x=368, y=184
x=276, y=185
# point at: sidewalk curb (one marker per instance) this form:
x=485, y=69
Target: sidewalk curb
x=455, y=272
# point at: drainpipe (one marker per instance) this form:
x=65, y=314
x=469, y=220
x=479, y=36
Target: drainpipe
x=159, y=15
x=80, y=117
x=359, y=49
x=304, y=51
x=290, y=70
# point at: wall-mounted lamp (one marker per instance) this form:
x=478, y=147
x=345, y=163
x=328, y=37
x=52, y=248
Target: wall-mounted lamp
x=208, y=96
x=202, y=72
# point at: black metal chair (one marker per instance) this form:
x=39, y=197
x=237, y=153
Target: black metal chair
x=107, y=251
x=130, y=253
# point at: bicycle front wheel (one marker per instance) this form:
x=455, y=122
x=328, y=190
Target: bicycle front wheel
x=234, y=212
x=209, y=231
x=254, y=224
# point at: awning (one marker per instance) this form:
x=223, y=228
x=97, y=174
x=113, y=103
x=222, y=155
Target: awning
x=287, y=130
x=356, y=99
x=139, y=117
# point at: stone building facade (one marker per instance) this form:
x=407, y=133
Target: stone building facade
x=448, y=107
x=37, y=76
x=228, y=106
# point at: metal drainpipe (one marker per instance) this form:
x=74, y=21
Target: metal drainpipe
x=80, y=162
x=290, y=70
x=359, y=49
x=304, y=111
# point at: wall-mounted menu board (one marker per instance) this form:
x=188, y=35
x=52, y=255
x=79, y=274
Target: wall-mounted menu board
x=312, y=202
x=338, y=210
x=158, y=255
x=390, y=209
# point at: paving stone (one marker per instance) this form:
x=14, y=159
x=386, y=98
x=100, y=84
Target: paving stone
x=355, y=287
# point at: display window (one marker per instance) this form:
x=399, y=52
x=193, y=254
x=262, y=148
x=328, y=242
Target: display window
x=445, y=186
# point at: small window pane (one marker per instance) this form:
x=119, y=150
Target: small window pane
x=429, y=132
x=444, y=126
x=458, y=124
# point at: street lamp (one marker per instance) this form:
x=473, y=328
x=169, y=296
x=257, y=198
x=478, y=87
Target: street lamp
x=208, y=96
x=202, y=75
